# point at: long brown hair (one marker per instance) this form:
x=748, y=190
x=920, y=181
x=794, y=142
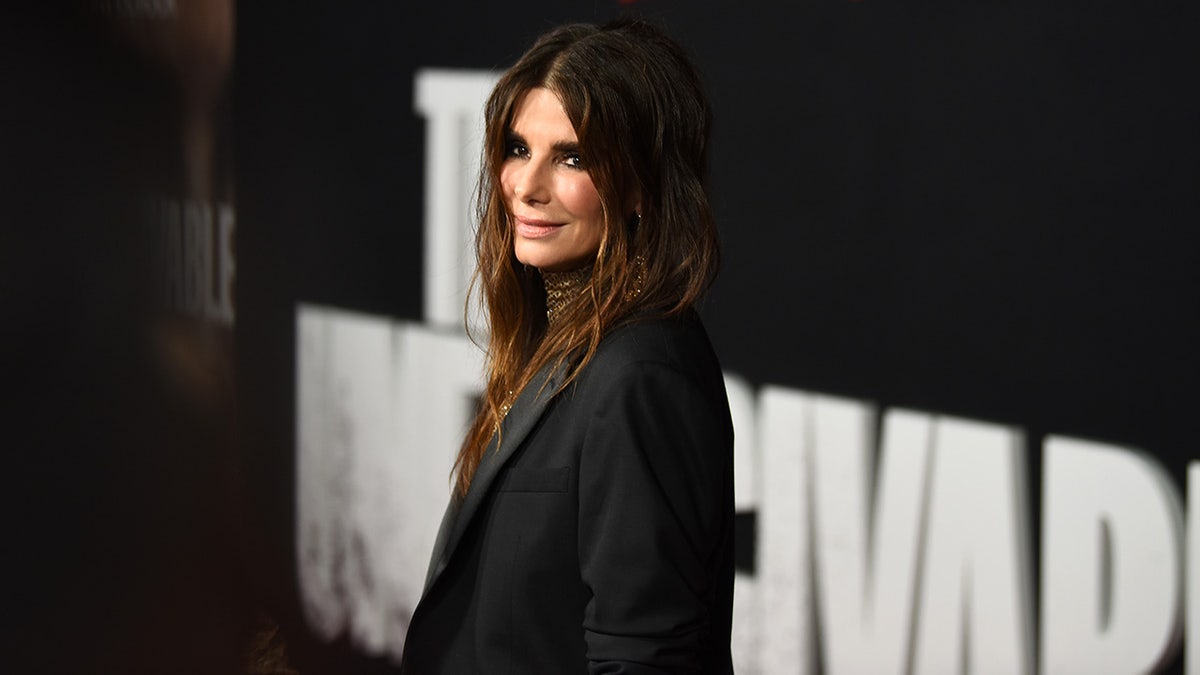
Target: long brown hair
x=642, y=121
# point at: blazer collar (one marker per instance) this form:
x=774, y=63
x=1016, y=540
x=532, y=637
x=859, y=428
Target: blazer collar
x=526, y=410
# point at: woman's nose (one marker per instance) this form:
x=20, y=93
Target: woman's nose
x=530, y=183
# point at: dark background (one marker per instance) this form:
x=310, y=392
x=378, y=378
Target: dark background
x=981, y=209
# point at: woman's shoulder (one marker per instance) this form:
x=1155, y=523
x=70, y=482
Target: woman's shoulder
x=679, y=341
x=656, y=364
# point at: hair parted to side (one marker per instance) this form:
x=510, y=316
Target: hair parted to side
x=642, y=120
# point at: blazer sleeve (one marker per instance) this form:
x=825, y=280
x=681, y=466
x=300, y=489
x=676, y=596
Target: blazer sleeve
x=655, y=509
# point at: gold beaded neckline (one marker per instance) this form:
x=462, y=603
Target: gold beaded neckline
x=562, y=288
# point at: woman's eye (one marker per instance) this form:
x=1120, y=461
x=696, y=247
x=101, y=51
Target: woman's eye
x=573, y=160
x=516, y=150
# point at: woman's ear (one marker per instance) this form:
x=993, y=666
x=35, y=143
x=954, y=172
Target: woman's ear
x=633, y=206
x=633, y=215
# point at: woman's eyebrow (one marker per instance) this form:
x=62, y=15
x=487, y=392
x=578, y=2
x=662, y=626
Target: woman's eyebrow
x=511, y=136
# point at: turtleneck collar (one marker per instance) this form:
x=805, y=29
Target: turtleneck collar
x=562, y=288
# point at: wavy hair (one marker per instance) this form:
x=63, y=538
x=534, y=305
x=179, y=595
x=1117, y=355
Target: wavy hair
x=642, y=120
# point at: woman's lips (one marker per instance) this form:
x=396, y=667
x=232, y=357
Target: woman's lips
x=532, y=228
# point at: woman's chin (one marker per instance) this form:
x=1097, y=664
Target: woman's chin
x=552, y=263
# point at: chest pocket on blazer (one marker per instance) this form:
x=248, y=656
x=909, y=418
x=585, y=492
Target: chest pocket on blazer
x=520, y=479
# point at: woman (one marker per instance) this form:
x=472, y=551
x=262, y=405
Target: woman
x=590, y=529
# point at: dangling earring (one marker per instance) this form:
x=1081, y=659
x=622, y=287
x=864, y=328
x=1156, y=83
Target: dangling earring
x=639, y=277
x=639, y=266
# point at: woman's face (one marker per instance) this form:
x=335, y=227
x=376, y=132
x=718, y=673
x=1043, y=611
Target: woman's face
x=558, y=220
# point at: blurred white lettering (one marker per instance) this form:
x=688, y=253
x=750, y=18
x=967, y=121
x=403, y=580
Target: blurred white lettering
x=867, y=540
x=381, y=408
x=196, y=257
x=1111, y=573
x=784, y=617
x=451, y=101
x=1192, y=577
x=975, y=614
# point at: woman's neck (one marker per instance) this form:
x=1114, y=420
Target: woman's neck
x=562, y=288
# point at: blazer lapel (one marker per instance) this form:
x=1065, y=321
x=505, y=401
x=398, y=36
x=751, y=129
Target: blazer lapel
x=521, y=418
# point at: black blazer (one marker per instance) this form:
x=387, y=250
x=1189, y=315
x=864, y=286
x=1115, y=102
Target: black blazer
x=599, y=538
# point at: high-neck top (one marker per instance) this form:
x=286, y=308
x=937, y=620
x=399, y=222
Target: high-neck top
x=562, y=288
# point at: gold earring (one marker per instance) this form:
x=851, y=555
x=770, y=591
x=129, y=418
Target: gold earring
x=639, y=277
